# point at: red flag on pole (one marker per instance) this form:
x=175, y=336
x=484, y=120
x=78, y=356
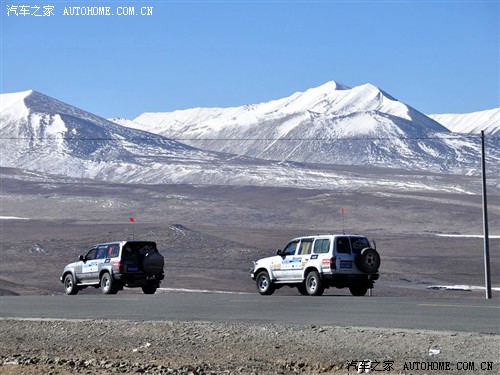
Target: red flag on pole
x=132, y=220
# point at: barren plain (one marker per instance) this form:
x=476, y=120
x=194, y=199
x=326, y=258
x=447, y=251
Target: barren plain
x=209, y=236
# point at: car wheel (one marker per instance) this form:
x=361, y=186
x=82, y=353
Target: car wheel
x=149, y=289
x=302, y=289
x=368, y=261
x=314, y=285
x=69, y=285
x=107, y=286
x=358, y=290
x=264, y=284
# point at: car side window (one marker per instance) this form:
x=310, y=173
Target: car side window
x=343, y=245
x=91, y=254
x=113, y=251
x=305, y=247
x=101, y=252
x=290, y=248
x=322, y=246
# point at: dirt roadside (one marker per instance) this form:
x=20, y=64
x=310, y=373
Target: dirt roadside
x=111, y=347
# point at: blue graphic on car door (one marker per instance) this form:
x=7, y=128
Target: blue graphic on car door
x=286, y=261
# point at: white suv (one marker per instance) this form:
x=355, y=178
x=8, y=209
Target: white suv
x=113, y=265
x=314, y=263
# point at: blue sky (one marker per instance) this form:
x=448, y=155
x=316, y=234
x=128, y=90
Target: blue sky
x=437, y=56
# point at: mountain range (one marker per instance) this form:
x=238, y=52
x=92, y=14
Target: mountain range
x=488, y=120
x=43, y=135
x=295, y=141
x=329, y=124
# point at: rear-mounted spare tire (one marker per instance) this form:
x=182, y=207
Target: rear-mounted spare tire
x=153, y=263
x=368, y=261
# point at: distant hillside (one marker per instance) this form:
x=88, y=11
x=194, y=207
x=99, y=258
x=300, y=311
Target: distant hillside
x=308, y=140
x=43, y=135
x=330, y=124
x=489, y=121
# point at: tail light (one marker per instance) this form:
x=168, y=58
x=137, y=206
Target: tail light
x=118, y=267
x=333, y=263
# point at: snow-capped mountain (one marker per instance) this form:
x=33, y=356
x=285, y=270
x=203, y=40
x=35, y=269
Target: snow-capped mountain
x=329, y=124
x=488, y=120
x=50, y=138
x=43, y=134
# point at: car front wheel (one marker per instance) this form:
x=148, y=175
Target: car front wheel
x=69, y=285
x=264, y=284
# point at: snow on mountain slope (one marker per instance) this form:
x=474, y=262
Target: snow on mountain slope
x=43, y=134
x=43, y=138
x=489, y=121
x=328, y=124
x=330, y=99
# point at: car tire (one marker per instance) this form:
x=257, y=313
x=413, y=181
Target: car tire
x=314, y=284
x=368, y=261
x=107, y=286
x=264, y=284
x=69, y=285
x=149, y=289
x=358, y=290
x=153, y=263
x=302, y=289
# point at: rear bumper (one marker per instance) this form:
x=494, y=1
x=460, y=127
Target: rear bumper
x=343, y=281
x=138, y=278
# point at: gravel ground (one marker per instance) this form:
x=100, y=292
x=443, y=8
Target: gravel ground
x=151, y=347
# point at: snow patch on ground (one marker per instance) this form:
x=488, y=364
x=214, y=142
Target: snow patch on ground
x=464, y=288
x=466, y=235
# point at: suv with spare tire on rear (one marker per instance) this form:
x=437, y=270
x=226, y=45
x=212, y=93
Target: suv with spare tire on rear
x=111, y=266
x=313, y=263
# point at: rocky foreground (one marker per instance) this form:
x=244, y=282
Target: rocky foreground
x=111, y=347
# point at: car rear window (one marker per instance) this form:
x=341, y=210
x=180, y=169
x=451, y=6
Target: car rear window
x=359, y=243
x=138, y=249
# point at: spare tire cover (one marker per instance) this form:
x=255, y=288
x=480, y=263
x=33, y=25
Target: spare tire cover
x=368, y=261
x=153, y=263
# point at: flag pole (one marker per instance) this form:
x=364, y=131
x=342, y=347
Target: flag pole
x=132, y=220
x=487, y=275
x=343, y=220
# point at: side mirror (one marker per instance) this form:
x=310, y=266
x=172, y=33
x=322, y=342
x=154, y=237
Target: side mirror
x=279, y=252
x=81, y=257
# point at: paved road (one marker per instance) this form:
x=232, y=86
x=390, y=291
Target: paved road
x=471, y=315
